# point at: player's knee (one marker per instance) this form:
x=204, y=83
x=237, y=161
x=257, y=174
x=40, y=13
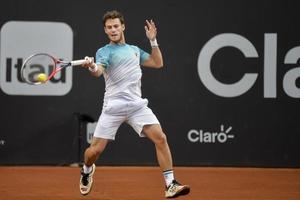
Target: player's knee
x=161, y=139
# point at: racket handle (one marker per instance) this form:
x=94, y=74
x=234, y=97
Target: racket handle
x=78, y=62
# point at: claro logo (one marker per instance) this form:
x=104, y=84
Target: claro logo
x=200, y=136
x=20, y=39
x=247, y=81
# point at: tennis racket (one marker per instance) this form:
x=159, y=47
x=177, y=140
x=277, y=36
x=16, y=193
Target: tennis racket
x=41, y=67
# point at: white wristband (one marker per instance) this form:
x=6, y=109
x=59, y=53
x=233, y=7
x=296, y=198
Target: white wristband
x=153, y=43
x=94, y=69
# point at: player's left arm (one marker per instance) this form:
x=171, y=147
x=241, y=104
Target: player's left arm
x=155, y=59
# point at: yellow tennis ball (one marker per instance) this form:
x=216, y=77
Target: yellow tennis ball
x=42, y=77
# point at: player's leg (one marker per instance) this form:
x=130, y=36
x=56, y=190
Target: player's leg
x=157, y=136
x=145, y=123
x=163, y=153
x=140, y=117
x=93, y=152
x=107, y=126
x=90, y=156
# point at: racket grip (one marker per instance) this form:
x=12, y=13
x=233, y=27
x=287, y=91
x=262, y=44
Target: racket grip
x=78, y=62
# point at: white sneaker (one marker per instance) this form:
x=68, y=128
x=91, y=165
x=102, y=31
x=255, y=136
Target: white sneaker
x=86, y=181
x=175, y=189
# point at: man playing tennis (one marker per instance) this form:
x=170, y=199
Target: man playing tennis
x=120, y=65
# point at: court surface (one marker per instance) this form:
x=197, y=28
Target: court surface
x=146, y=183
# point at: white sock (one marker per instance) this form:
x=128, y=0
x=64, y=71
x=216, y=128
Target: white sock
x=169, y=176
x=87, y=169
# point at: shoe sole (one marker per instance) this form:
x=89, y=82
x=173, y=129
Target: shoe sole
x=93, y=171
x=184, y=191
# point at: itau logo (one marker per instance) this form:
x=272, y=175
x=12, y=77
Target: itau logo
x=20, y=39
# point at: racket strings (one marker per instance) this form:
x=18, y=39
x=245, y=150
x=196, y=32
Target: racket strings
x=36, y=65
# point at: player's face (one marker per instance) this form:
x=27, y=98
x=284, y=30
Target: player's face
x=114, y=30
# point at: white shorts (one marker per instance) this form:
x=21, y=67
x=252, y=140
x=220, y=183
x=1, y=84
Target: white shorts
x=115, y=112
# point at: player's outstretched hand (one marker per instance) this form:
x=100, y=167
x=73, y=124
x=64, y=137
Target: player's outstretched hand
x=150, y=29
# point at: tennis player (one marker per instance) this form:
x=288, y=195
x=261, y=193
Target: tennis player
x=120, y=64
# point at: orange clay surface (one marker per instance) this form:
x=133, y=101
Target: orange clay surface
x=146, y=183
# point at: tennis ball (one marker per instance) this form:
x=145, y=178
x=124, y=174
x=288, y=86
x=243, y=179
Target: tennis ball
x=42, y=77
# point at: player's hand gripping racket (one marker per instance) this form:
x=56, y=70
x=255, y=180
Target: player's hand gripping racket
x=41, y=67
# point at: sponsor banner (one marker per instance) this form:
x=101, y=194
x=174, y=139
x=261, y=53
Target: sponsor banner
x=90, y=128
x=247, y=80
x=20, y=39
x=201, y=136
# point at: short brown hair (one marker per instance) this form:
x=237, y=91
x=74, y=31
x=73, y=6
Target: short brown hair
x=113, y=14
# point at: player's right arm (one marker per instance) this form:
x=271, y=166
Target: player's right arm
x=95, y=69
x=102, y=61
